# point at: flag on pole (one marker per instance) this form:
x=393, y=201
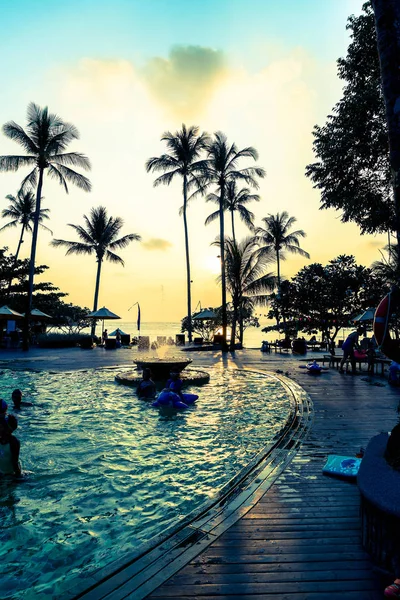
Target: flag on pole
x=138, y=317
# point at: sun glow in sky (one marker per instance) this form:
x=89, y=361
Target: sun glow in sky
x=126, y=71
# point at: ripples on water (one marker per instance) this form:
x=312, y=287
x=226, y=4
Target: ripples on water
x=109, y=471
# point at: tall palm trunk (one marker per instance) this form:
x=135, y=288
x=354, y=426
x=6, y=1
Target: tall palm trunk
x=278, y=272
x=223, y=276
x=233, y=226
x=25, y=333
x=188, y=279
x=234, y=322
x=21, y=239
x=96, y=291
x=387, y=22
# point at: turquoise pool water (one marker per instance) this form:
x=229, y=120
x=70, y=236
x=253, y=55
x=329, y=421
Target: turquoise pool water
x=107, y=471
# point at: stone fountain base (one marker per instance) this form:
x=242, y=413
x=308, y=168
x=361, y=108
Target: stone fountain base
x=188, y=376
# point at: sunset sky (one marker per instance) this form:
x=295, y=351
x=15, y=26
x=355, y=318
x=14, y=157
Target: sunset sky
x=124, y=72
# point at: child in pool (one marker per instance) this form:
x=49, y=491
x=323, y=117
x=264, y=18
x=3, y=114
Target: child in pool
x=146, y=388
x=3, y=410
x=16, y=397
x=175, y=383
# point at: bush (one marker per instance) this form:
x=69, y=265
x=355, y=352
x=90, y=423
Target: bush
x=63, y=340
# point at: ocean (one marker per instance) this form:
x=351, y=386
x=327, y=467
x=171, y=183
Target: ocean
x=253, y=336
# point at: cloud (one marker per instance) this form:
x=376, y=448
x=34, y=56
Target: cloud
x=186, y=80
x=156, y=244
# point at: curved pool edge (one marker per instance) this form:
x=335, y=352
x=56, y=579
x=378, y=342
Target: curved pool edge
x=156, y=560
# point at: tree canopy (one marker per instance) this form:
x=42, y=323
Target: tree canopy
x=326, y=298
x=352, y=148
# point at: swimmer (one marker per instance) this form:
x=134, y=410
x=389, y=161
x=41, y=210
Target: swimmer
x=146, y=388
x=9, y=448
x=3, y=410
x=175, y=383
x=16, y=397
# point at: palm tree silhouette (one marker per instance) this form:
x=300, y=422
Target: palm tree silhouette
x=235, y=201
x=185, y=147
x=99, y=236
x=247, y=280
x=45, y=140
x=275, y=239
x=220, y=168
x=21, y=211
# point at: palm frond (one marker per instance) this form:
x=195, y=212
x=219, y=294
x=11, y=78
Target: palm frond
x=15, y=132
x=211, y=218
x=55, y=174
x=114, y=258
x=75, y=159
x=73, y=247
x=125, y=241
x=74, y=177
x=13, y=163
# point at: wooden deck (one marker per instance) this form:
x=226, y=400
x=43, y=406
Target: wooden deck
x=302, y=540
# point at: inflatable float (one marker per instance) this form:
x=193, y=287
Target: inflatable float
x=314, y=368
x=387, y=306
x=169, y=399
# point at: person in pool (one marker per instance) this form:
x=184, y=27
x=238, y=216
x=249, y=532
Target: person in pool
x=146, y=388
x=175, y=383
x=16, y=397
x=3, y=410
x=9, y=448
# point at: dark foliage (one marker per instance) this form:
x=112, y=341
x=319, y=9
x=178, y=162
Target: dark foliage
x=353, y=170
x=327, y=298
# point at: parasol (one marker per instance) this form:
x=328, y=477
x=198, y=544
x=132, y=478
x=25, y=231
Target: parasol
x=118, y=330
x=101, y=315
x=367, y=315
x=7, y=313
x=205, y=315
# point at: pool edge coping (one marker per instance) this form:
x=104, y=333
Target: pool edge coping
x=194, y=532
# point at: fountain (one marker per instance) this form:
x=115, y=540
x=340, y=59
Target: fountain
x=161, y=368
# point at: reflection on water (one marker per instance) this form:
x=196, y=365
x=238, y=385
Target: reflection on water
x=109, y=471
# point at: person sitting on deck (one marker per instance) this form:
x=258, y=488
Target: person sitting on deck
x=392, y=456
x=16, y=397
x=9, y=448
x=349, y=345
x=146, y=388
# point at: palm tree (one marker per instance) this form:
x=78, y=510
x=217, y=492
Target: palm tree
x=21, y=211
x=246, y=278
x=388, y=269
x=221, y=168
x=235, y=201
x=387, y=18
x=276, y=239
x=185, y=147
x=45, y=140
x=99, y=236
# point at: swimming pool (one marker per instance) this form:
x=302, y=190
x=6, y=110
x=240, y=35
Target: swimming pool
x=108, y=471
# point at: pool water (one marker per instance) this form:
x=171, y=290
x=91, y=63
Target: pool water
x=107, y=471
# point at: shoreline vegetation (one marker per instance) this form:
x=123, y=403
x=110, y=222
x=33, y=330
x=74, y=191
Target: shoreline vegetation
x=211, y=168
